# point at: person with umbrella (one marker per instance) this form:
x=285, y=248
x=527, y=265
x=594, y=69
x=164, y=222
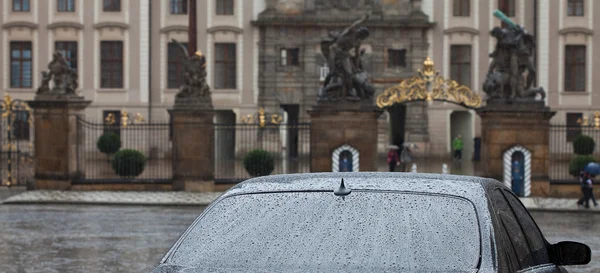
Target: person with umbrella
x=587, y=190
x=392, y=157
x=587, y=187
x=406, y=156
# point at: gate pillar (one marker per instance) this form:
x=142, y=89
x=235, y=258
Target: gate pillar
x=56, y=139
x=193, y=147
x=336, y=124
x=524, y=125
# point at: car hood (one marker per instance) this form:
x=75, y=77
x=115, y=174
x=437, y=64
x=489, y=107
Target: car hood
x=165, y=268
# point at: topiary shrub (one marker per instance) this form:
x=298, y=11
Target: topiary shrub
x=584, y=145
x=109, y=143
x=128, y=163
x=259, y=163
x=578, y=163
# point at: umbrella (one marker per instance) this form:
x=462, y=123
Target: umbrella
x=592, y=168
x=410, y=145
x=394, y=147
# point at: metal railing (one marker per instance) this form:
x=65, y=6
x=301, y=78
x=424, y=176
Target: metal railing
x=561, y=151
x=289, y=145
x=152, y=140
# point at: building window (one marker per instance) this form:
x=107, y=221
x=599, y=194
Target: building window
x=179, y=6
x=575, y=8
x=21, y=65
x=112, y=5
x=462, y=8
x=111, y=64
x=460, y=64
x=176, y=58
x=65, y=5
x=69, y=51
x=225, y=66
x=575, y=68
x=573, y=125
x=224, y=7
x=20, y=5
x=290, y=56
x=396, y=58
x=507, y=7
x=20, y=125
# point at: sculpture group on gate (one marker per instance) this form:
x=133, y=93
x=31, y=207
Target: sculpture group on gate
x=194, y=76
x=511, y=73
x=347, y=78
x=62, y=75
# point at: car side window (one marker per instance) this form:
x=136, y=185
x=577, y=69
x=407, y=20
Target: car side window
x=525, y=242
x=535, y=239
x=508, y=237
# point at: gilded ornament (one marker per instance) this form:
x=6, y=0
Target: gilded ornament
x=428, y=85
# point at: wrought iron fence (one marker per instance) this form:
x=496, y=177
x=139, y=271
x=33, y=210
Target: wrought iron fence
x=16, y=142
x=562, y=151
x=289, y=145
x=96, y=161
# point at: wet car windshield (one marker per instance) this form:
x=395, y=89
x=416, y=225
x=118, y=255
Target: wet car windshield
x=372, y=231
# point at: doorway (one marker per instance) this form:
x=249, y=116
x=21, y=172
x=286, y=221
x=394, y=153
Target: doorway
x=461, y=123
x=518, y=173
x=293, y=119
x=397, y=114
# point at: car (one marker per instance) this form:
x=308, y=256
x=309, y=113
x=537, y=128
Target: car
x=368, y=222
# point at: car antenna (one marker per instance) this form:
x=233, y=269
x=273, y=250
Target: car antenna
x=342, y=190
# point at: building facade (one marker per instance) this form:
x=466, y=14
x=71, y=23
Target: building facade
x=124, y=54
x=460, y=44
x=293, y=66
x=266, y=53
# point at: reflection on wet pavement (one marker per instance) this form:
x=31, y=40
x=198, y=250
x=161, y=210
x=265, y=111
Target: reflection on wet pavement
x=88, y=238
x=133, y=239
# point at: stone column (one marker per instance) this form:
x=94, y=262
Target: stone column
x=57, y=140
x=193, y=146
x=504, y=126
x=336, y=124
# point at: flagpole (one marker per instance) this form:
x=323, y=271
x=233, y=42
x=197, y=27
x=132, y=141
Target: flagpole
x=192, y=40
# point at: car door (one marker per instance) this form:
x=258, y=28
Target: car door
x=521, y=246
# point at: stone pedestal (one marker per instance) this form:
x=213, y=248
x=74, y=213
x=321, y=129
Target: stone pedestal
x=193, y=148
x=347, y=123
x=505, y=126
x=56, y=139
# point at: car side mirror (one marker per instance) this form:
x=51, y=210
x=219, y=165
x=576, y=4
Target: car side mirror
x=571, y=253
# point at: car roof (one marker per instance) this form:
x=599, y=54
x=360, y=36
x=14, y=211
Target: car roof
x=464, y=186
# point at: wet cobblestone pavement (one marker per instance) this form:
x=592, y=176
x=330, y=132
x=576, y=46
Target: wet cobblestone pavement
x=53, y=239
x=67, y=238
x=578, y=227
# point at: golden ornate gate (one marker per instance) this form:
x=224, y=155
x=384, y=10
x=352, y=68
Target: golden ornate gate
x=16, y=142
x=429, y=85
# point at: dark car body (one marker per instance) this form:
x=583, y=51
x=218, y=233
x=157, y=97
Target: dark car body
x=370, y=222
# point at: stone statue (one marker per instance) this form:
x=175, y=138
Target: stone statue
x=45, y=86
x=72, y=83
x=512, y=72
x=63, y=77
x=194, y=76
x=347, y=79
